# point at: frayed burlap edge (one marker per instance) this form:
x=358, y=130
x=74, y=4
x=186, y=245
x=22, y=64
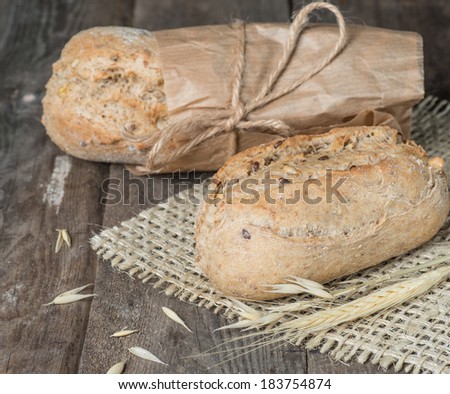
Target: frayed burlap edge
x=414, y=337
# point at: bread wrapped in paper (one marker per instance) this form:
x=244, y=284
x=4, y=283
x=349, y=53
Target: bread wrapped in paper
x=116, y=90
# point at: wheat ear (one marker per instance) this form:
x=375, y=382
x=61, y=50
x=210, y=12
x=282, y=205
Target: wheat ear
x=382, y=299
x=297, y=329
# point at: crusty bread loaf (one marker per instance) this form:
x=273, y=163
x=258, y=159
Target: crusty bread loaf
x=107, y=84
x=388, y=198
x=115, y=90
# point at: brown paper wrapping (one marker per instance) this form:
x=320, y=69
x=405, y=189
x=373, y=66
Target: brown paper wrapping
x=375, y=80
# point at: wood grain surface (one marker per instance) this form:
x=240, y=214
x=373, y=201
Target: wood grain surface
x=37, y=338
x=42, y=189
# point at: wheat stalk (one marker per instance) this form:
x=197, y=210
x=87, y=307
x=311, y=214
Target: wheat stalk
x=251, y=318
x=382, y=299
x=379, y=300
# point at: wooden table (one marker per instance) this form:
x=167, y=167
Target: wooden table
x=75, y=338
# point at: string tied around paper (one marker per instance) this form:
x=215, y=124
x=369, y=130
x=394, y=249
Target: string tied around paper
x=203, y=127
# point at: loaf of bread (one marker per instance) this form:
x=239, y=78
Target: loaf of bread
x=317, y=207
x=106, y=85
x=115, y=90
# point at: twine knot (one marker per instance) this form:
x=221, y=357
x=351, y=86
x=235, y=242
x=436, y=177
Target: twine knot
x=235, y=117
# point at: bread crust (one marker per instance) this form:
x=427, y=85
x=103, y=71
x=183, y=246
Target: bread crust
x=107, y=82
x=396, y=198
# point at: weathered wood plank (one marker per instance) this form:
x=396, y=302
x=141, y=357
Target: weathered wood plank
x=36, y=338
x=157, y=15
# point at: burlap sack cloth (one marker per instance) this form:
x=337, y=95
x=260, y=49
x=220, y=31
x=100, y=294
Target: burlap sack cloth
x=414, y=336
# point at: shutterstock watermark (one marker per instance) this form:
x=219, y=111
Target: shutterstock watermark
x=194, y=188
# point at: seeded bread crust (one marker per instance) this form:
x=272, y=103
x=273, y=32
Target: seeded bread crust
x=107, y=83
x=396, y=198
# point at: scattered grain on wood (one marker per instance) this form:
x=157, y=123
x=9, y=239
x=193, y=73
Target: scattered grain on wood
x=145, y=354
x=116, y=368
x=172, y=315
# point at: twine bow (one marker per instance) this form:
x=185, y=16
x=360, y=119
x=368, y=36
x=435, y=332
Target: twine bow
x=235, y=117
